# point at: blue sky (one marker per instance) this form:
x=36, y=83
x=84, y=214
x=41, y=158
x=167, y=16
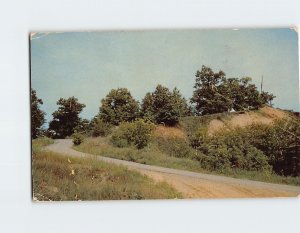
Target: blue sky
x=88, y=65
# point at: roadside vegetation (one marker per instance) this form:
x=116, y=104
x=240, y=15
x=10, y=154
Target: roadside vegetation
x=174, y=151
x=59, y=178
x=223, y=129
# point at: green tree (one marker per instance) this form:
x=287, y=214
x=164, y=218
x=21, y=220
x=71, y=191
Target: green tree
x=147, y=107
x=164, y=106
x=180, y=104
x=214, y=93
x=119, y=106
x=66, y=118
x=206, y=97
x=37, y=115
x=267, y=97
x=83, y=127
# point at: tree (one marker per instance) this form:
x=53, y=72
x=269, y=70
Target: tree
x=147, y=107
x=180, y=104
x=83, y=127
x=119, y=106
x=66, y=118
x=164, y=106
x=214, y=93
x=206, y=98
x=267, y=97
x=37, y=115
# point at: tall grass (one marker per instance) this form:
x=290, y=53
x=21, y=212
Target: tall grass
x=151, y=154
x=39, y=143
x=59, y=178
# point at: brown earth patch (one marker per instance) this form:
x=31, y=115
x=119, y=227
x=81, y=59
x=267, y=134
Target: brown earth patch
x=273, y=112
x=214, y=126
x=266, y=115
x=169, y=132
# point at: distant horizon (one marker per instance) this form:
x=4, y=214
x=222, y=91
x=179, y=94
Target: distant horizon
x=87, y=65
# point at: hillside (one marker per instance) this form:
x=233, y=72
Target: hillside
x=228, y=121
x=246, y=146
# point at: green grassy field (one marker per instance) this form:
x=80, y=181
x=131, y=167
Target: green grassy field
x=152, y=155
x=59, y=178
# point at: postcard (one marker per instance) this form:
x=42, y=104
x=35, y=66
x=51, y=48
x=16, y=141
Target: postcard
x=165, y=114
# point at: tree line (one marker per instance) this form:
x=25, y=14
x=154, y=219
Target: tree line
x=213, y=93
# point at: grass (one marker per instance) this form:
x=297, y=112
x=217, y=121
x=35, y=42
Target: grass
x=152, y=155
x=149, y=155
x=59, y=178
x=39, y=143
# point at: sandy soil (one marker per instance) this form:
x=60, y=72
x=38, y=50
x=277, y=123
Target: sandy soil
x=267, y=116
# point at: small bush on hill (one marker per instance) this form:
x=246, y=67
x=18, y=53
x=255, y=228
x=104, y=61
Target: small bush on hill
x=77, y=138
x=136, y=134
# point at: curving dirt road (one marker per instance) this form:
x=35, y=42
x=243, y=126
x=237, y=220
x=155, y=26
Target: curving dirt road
x=191, y=184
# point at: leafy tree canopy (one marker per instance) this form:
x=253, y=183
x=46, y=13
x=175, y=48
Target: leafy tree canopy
x=214, y=93
x=66, y=118
x=37, y=115
x=119, y=106
x=164, y=106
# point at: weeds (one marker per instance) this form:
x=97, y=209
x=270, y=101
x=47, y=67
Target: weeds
x=59, y=178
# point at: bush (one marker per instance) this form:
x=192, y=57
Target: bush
x=136, y=133
x=100, y=128
x=228, y=149
x=176, y=147
x=280, y=143
x=77, y=138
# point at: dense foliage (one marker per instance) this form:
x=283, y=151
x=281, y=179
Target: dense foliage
x=175, y=147
x=256, y=147
x=280, y=143
x=37, y=115
x=164, y=106
x=99, y=128
x=136, y=134
x=66, y=118
x=119, y=106
x=77, y=138
x=228, y=150
x=214, y=93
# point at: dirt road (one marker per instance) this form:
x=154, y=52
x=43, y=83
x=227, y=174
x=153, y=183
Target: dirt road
x=191, y=184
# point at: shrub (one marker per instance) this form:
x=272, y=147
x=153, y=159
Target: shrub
x=176, y=147
x=228, y=149
x=77, y=138
x=280, y=142
x=136, y=133
x=100, y=128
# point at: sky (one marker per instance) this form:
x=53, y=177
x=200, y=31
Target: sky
x=88, y=65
